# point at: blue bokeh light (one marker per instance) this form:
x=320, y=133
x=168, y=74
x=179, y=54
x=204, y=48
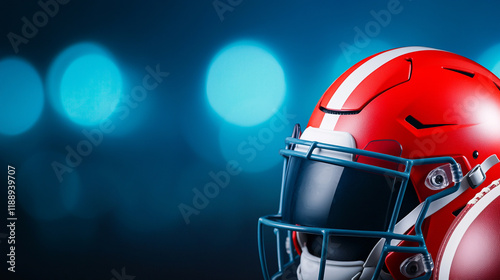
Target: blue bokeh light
x=91, y=89
x=84, y=83
x=59, y=66
x=130, y=115
x=21, y=96
x=245, y=84
x=496, y=69
x=491, y=59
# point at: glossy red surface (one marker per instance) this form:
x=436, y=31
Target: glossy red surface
x=459, y=114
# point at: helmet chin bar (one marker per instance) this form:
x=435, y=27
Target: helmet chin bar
x=389, y=238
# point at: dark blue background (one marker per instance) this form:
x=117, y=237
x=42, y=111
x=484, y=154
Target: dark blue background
x=131, y=185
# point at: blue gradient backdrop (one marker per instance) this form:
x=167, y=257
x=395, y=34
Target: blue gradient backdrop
x=118, y=114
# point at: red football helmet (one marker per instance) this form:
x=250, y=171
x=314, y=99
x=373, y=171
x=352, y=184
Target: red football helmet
x=378, y=183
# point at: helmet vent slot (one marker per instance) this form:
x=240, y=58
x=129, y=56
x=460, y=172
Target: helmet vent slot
x=334, y=112
x=463, y=72
x=418, y=125
x=498, y=87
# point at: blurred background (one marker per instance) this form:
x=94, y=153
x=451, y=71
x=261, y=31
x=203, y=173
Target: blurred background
x=145, y=136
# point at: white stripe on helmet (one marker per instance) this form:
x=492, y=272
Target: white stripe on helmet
x=356, y=77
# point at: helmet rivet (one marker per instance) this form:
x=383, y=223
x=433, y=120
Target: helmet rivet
x=475, y=154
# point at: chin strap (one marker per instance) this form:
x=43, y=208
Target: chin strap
x=371, y=264
x=472, y=179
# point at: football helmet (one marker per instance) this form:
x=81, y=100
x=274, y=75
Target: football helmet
x=375, y=184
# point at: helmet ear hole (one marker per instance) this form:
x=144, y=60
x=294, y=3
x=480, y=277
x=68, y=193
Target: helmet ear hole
x=438, y=178
x=415, y=266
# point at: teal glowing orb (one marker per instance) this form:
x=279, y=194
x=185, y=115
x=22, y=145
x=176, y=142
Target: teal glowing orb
x=490, y=59
x=245, y=84
x=83, y=83
x=21, y=96
x=90, y=89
